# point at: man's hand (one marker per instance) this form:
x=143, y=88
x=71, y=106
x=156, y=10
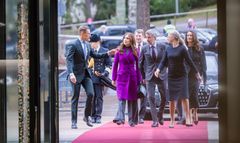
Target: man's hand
x=157, y=73
x=97, y=73
x=143, y=81
x=112, y=52
x=73, y=78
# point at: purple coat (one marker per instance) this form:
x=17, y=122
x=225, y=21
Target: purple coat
x=126, y=74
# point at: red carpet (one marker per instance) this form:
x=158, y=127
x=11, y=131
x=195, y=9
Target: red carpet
x=144, y=133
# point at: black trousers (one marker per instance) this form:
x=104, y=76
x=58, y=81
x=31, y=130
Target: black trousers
x=88, y=86
x=97, y=101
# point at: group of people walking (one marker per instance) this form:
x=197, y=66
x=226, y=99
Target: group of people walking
x=176, y=68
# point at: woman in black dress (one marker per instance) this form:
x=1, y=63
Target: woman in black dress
x=175, y=56
x=198, y=56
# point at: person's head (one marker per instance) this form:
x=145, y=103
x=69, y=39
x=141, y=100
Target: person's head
x=191, y=40
x=103, y=28
x=139, y=35
x=95, y=41
x=84, y=33
x=128, y=42
x=191, y=23
x=175, y=37
x=151, y=36
x=169, y=22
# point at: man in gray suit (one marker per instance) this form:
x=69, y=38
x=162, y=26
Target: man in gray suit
x=150, y=57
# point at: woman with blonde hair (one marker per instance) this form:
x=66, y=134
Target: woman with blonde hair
x=174, y=58
x=126, y=77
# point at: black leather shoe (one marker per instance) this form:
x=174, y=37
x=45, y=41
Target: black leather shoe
x=141, y=121
x=74, y=126
x=155, y=124
x=88, y=121
x=119, y=122
x=161, y=121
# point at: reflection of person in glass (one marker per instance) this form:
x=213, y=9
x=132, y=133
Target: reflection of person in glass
x=198, y=56
x=101, y=67
x=126, y=77
x=174, y=58
x=77, y=55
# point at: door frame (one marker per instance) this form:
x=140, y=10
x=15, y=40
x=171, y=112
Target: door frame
x=3, y=84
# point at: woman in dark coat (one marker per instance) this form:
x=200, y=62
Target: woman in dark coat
x=175, y=58
x=198, y=56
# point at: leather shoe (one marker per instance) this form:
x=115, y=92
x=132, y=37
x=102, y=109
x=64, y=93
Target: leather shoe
x=155, y=124
x=141, y=121
x=74, y=126
x=161, y=121
x=88, y=121
x=131, y=124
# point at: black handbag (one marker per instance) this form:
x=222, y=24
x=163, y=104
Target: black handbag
x=106, y=81
x=142, y=92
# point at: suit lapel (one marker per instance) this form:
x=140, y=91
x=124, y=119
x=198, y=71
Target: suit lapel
x=79, y=47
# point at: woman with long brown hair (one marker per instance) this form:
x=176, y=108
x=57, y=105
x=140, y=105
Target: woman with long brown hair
x=198, y=56
x=126, y=77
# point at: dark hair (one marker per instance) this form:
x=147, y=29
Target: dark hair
x=132, y=44
x=195, y=40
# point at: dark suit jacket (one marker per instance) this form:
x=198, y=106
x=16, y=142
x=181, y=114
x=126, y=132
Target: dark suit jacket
x=100, y=65
x=76, y=63
x=148, y=65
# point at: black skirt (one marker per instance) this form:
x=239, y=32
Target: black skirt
x=178, y=88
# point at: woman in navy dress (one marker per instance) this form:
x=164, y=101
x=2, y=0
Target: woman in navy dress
x=175, y=56
x=198, y=56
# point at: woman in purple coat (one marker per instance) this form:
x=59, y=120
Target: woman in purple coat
x=126, y=77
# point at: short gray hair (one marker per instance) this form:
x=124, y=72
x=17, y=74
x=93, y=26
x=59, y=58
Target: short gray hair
x=151, y=32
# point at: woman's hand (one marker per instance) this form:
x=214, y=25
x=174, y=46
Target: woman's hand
x=114, y=83
x=199, y=77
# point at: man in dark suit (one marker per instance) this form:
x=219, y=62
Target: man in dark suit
x=139, y=36
x=150, y=57
x=101, y=67
x=77, y=55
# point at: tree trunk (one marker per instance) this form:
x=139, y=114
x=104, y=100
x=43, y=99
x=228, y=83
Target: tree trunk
x=143, y=14
x=88, y=13
x=132, y=11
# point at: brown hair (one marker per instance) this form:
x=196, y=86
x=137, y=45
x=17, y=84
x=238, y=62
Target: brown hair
x=83, y=28
x=132, y=44
x=196, y=45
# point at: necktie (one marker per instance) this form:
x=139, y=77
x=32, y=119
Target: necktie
x=153, y=53
x=84, y=49
x=139, y=45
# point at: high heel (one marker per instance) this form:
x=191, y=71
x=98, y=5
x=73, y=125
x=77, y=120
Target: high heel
x=195, y=118
x=171, y=125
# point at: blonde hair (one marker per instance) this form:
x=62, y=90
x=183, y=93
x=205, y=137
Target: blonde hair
x=177, y=36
